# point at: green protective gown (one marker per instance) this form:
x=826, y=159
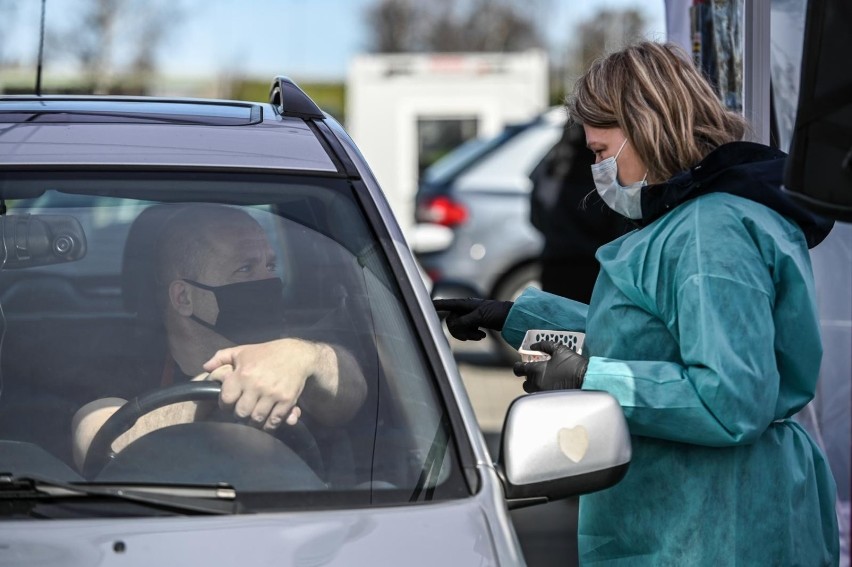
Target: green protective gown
x=703, y=326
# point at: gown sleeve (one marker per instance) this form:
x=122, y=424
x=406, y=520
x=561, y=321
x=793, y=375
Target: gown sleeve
x=536, y=309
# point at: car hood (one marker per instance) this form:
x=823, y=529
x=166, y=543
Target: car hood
x=454, y=533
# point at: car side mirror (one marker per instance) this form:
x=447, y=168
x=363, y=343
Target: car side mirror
x=560, y=444
x=39, y=240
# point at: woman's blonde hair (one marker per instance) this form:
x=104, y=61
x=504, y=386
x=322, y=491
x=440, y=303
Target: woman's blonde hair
x=666, y=108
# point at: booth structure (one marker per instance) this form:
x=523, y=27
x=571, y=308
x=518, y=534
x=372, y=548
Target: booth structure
x=406, y=110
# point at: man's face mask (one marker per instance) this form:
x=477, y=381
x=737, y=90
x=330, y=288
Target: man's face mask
x=249, y=312
x=624, y=200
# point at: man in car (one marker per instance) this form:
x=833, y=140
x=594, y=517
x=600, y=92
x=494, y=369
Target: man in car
x=221, y=305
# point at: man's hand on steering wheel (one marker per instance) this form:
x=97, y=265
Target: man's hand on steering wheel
x=262, y=383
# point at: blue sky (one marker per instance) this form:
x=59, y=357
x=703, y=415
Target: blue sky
x=301, y=38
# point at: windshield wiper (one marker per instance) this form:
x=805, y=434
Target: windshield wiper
x=196, y=499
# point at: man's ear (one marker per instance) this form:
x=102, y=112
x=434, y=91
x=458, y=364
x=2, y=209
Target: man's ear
x=179, y=298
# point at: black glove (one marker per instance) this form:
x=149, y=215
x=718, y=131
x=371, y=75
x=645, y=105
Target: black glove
x=467, y=315
x=564, y=371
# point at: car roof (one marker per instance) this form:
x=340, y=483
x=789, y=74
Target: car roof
x=158, y=132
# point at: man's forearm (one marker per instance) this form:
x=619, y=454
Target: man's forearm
x=336, y=389
x=90, y=418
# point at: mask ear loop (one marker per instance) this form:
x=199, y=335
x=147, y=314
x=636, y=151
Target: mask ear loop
x=193, y=316
x=618, y=153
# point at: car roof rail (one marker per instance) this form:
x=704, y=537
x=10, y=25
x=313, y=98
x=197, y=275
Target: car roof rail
x=289, y=100
x=96, y=108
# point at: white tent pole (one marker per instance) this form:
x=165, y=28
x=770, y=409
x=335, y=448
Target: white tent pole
x=756, y=67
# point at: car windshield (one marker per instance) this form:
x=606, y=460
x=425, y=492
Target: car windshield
x=118, y=286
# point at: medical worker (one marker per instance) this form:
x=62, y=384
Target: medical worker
x=702, y=324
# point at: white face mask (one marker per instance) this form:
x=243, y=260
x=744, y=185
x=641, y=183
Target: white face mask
x=623, y=200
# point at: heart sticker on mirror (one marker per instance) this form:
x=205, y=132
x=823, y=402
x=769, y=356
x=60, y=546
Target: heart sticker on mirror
x=574, y=442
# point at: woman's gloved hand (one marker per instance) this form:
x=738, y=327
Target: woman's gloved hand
x=467, y=315
x=564, y=371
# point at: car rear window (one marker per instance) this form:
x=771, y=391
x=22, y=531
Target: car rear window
x=454, y=163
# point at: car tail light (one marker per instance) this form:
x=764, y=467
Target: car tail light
x=434, y=274
x=442, y=210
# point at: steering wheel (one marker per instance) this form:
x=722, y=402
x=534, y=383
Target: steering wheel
x=298, y=437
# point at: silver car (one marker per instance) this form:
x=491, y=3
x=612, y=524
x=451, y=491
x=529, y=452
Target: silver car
x=90, y=188
x=474, y=237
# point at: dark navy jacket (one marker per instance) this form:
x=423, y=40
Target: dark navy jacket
x=746, y=169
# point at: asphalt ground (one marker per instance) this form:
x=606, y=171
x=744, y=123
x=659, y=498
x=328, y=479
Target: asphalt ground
x=547, y=532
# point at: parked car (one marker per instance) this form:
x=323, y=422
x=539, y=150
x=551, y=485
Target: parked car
x=474, y=237
x=89, y=187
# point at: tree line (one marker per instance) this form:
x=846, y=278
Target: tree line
x=117, y=45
